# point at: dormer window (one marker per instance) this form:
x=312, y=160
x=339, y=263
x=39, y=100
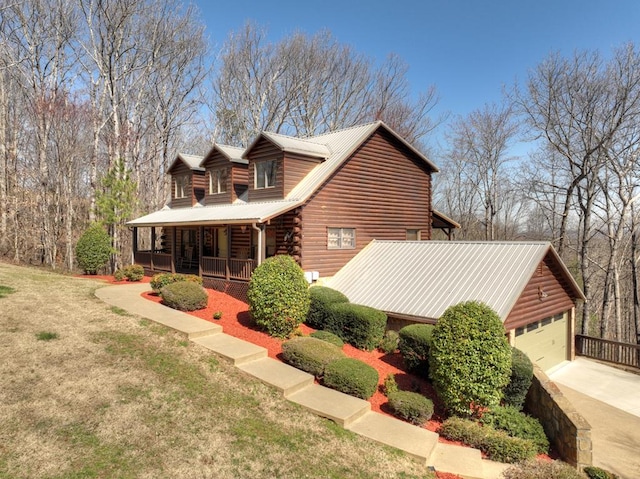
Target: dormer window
x=265, y=174
x=217, y=181
x=182, y=186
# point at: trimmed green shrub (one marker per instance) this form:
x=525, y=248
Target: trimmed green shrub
x=360, y=326
x=517, y=424
x=119, y=275
x=521, y=375
x=329, y=337
x=390, y=385
x=414, y=345
x=185, y=296
x=497, y=445
x=132, y=272
x=594, y=472
x=351, y=376
x=93, y=249
x=389, y=342
x=310, y=354
x=321, y=300
x=413, y=407
x=278, y=296
x=470, y=359
x=161, y=280
x=542, y=469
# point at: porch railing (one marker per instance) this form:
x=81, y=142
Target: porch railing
x=217, y=267
x=212, y=266
x=155, y=261
x=241, y=268
x=626, y=354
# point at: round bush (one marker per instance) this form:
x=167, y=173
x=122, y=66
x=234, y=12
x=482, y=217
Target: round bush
x=278, y=296
x=362, y=326
x=321, y=300
x=414, y=344
x=185, y=296
x=470, y=359
x=521, y=375
x=134, y=272
x=310, y=354
x=161, y=280
x=542, y=469
x=351, y=376
x=517, y=424
x=329, y=337
x=389, y=342
x=93, y=249
x=411, y=406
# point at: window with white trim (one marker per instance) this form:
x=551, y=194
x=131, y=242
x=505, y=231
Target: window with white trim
x=341, y=238
x=265, y=174
x=217, y=181
x=182, y=186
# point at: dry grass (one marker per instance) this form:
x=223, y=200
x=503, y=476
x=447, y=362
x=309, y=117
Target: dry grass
x=116, y=396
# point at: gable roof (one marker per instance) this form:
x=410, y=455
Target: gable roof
x=231, y=153
x=424, y=278
x=338, y=146
x=192, y=161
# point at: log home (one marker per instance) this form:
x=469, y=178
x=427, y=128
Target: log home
x=320, y=199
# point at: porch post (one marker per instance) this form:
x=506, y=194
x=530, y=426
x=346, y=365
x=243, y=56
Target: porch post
x=135, y=244
x=571, y=320
x=153, y=245
x=227, y=271
x=200, y=248
x=173, y=249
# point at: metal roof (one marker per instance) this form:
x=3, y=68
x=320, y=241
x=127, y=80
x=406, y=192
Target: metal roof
x=424, y=278
x=192, y=161
x=232, y=153
x=239, y=212
x=293, y=145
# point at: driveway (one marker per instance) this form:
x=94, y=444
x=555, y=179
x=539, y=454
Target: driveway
x=609, y=399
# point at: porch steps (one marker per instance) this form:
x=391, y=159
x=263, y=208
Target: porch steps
x=286, y=379
x=419, y=443
x=339, y=407
x=237, y=350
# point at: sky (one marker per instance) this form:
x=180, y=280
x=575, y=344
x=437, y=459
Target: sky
x=468, y=49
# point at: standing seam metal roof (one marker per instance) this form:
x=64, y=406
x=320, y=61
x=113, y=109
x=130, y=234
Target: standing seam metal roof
x=424, y=278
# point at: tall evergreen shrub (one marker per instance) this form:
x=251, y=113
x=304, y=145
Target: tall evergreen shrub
x=93, y=249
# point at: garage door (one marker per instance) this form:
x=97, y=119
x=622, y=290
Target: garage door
x=545, y=341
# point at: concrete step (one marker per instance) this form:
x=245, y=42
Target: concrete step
x=339, y=407
x=415, y=441
x=284, y=378
x=463, y=461
x=237, y=350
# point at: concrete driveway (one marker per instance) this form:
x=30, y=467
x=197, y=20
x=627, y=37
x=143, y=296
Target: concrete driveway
x=609, y=399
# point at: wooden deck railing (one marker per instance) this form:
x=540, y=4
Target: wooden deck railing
x=626, y=354
x=155, y=261
x=217, y=267
x=241, y=268
x=212, y=266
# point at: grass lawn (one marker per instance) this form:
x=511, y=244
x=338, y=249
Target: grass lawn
x=88, y=391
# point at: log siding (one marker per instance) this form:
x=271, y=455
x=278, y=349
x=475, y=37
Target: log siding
x=263, y=151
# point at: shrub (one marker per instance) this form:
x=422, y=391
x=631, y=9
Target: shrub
x=541, y=469
x=321, y=300
x=119, y=275
x=470, y=359
x=521, y=375
x=310, y=354
x=594, y=472
x=415, y=341
x=390, y=385
x=185, y=296
x=161, y=280
x=351, y=376
x=517, y=424
x=389, y=342
x=498, y=445
x=278, y=296
x=361, y=326
x=93, y=249
x=329, y=337
x=134, y=272
x=414, y=407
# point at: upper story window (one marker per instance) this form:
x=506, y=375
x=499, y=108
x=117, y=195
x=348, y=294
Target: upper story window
x=217, y=181
x=341, y=238
x=265, y=174
x=182, y=186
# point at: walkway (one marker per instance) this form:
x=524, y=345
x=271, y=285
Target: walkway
x=297, y=386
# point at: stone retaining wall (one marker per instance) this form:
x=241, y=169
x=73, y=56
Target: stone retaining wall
x=567, y=430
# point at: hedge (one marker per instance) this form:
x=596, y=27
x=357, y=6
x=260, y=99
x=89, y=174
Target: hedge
x=321, y=300
x=351, y=376
x=278, y=296
x=414, y=345
x=185, y=296
x=360, y=326
x=310, y=354
x=412, y=406
x=521, y=375
x=517, y=424
x=161, y=280
x=329, y=337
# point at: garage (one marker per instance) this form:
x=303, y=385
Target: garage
x=544, y=341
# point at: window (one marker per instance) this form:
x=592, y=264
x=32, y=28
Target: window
x=341, y=238
x=265, y=174
x=217, y=181
x=413, y=235
x=182, y=186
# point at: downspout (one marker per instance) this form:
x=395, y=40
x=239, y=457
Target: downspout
x=260, y=231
